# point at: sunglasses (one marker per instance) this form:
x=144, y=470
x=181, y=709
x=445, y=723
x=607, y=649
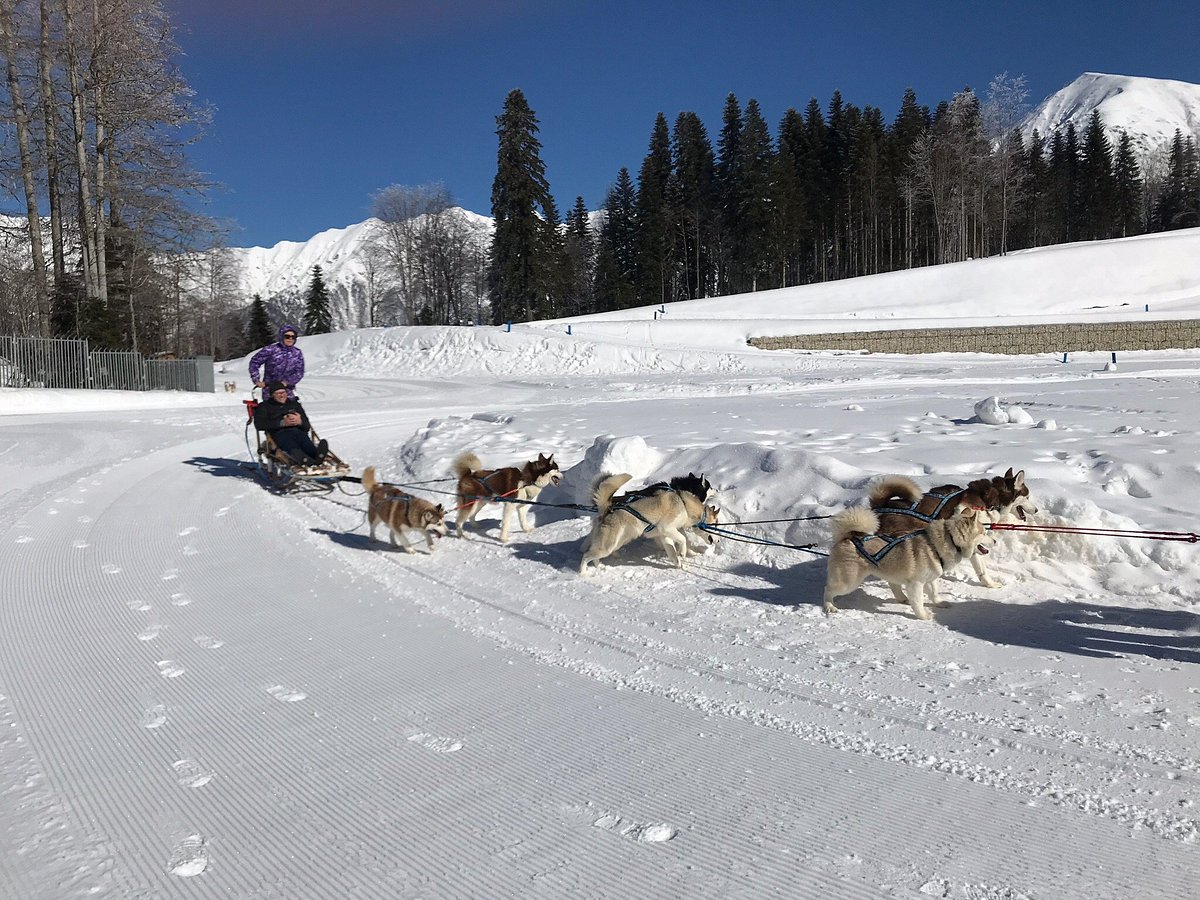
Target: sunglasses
x=289, y=337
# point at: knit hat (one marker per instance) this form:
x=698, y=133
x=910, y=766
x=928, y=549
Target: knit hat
x=276, y=386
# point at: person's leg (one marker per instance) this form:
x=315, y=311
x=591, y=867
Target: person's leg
x=292, y=439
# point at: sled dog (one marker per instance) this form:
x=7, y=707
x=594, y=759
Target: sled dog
x=661, y=512
x=903, y=507
x=910, y=563
x=478, y=486
x=401, y=513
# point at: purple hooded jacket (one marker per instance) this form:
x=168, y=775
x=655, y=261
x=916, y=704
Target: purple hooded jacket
x=279, y=362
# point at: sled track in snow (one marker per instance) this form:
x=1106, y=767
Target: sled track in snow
x=1031, y=765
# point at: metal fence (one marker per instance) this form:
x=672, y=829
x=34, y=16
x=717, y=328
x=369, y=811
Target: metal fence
x=65, y=363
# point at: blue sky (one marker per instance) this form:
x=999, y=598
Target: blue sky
x=319, y=103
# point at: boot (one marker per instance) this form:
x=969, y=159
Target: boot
x=300, y=458
x=322, y=450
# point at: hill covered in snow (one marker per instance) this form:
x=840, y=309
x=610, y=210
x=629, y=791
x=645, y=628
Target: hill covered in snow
x=1149, y=109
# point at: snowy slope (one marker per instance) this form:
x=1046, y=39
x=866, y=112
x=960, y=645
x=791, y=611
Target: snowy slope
x=1149, y=109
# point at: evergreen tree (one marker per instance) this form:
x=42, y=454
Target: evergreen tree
x=695, y=204
x=550, y=275
x=752, y=192
x=1097, y=189
x=790, y=215
x=1070, y=185
x=654, y=218
x=258, y=325
x=818, y=187
x=519, y=192
x=616, y=256
x=1034, y=212
x=912, y=121
x=318, y=319
x=1127, y=187
x=579, y=252
x=728, y=150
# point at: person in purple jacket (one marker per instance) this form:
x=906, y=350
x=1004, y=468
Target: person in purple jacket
x=282, y=361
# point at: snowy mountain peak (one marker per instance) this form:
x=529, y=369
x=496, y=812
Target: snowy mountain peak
x=1149, y=109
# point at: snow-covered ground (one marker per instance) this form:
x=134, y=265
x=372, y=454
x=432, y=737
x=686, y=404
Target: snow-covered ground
x=207, y=690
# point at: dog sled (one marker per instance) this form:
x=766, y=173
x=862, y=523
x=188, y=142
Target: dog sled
x=282, y=474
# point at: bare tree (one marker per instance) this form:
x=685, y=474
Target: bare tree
x=14, y=55
x=426, y=250
x=1002, y=113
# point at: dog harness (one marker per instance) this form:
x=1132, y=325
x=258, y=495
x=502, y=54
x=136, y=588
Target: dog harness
x=626, y=501
x=890, y=542
x=943, y=502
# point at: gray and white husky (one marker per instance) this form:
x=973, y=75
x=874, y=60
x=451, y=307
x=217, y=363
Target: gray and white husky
x=910, y=563
x=663, y=513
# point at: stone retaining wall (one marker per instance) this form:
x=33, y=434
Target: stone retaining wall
x=1008, y=339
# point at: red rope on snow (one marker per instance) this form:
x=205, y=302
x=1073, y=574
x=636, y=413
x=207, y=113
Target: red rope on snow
x=1185, y=536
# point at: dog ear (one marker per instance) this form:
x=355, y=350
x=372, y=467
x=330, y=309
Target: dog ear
x=440, y=510
x=1018, y=479
x=1009, y=473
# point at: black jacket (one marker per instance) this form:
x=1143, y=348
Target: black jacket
x=268, y=416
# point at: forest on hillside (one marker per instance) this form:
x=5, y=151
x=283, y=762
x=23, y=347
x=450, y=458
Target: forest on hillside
x=101, y=236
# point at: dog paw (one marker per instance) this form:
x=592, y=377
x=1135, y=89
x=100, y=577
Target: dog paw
x=923, y=614
x=991, y=582
x=830, y=609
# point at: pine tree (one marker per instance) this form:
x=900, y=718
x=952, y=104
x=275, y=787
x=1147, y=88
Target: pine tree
x=695, y=204
x=258, y=325
x=911, y=122
x=318, y=319
x=654, y=218
x=519, y=192
x=728, y=148
x=1127, y=189
x=752, y=191
x=790, y=223
x=550, y=273
x=818, y=189
x=616, y=256
x=1097, y=190
x=579, y=251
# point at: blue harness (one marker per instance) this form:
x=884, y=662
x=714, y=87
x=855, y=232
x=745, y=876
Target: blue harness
x=890, y=542
x=943, y=500
x=625, y=502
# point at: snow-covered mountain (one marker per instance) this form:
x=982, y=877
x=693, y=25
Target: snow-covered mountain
x=281, y=273
x=1149, y=109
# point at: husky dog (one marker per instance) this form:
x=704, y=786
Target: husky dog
x=903, y=507
x=662, y=512
x=478, y=486
x=401, y=513
x=911, y=562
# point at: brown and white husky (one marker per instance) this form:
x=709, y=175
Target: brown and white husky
x=477, y=487
x=402, y=513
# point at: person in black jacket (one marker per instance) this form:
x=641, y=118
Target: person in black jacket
x=284, y=419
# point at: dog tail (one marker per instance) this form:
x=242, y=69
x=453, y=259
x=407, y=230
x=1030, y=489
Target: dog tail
x=894, y=487
x=465, y=464
x=368, y=479
x=603, y=489
x=855, y=520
